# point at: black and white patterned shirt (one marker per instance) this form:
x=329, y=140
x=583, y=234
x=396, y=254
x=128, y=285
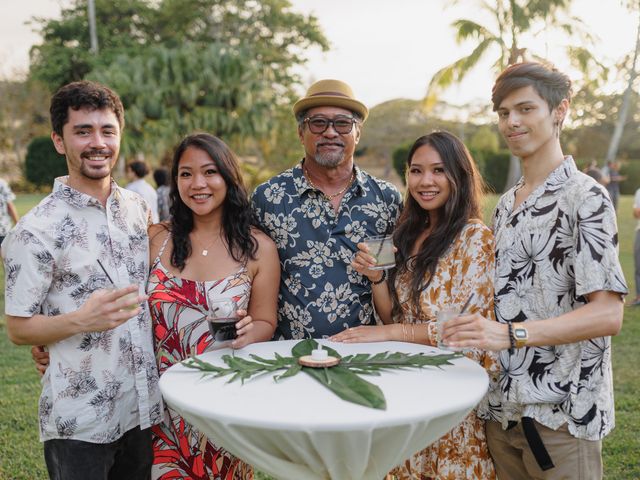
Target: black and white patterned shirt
x=101, y=384
x=555, y=248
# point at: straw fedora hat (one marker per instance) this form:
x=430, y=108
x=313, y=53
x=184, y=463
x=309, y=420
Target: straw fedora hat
x=331, y=93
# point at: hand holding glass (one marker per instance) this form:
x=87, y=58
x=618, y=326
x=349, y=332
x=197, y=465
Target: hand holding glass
x=381, y=248
x=442, y=317
x=222, y=318
x=131, y=298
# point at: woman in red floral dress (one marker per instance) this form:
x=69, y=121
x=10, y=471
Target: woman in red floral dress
x=210, y=248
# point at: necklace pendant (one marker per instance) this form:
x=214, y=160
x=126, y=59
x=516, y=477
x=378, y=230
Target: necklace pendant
x=205, y=252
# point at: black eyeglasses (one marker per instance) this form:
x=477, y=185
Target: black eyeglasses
x=342, y=125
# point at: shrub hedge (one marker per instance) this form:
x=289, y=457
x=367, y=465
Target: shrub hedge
x=43, y=163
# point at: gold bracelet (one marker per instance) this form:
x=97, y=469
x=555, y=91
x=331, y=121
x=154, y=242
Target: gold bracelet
x=404, y=332
x=413, y=334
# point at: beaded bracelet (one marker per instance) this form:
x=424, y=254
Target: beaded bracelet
x=382, y=278
x=512, y=341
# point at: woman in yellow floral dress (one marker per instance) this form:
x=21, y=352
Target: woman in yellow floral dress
x=444, y=254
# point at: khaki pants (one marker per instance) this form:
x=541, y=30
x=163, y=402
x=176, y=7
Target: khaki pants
x=573, y=458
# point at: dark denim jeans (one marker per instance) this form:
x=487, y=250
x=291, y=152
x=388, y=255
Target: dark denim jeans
x=129, y=457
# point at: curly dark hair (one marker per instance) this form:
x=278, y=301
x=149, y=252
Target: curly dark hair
x=462, y=205
x=237, y=216
x=84, y=94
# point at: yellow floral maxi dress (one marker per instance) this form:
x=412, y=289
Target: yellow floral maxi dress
x=467, y=267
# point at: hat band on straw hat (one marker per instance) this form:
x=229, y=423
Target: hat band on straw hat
x=331, y=93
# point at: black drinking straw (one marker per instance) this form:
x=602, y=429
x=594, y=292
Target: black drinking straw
x=105, y=272
x=466, y=304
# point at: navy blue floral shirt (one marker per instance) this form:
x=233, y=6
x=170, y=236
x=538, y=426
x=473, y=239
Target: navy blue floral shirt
x=320, y=294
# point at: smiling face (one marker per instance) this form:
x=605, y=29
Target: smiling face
x=527, y=124
x=329, y=148
x=427, y=181
x=90, y=142
x=200, y=184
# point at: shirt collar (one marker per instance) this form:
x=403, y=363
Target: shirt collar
x=554, y=181
x=303, y=185
x=78, y=199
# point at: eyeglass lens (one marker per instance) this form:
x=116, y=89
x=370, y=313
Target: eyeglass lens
x=340, y=125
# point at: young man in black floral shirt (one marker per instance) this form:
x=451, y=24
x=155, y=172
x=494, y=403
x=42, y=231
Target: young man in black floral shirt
x=558, y=294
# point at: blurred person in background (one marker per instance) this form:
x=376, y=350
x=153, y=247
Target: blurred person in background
x=612, y=180
x=136, y=171
x=8, y=212
x=161, y=177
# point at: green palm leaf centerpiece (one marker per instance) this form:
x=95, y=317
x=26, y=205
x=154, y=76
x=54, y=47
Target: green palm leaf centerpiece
x=343, y=379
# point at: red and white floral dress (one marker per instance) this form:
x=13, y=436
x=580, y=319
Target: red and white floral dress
x=178, y=308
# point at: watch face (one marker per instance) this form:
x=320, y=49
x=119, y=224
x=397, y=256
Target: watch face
x=520, y=333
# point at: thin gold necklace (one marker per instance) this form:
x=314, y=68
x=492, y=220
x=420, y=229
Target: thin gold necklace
x=333, y=195
x=205, y=250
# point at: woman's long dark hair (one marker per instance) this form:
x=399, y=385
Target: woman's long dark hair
x=237, y=217
x=462, y=205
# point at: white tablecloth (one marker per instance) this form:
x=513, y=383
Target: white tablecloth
x=297, y=429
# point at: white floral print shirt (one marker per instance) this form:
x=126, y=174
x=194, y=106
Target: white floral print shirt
x=558, y=246
x=320, y=293
x=100, y=384
x=6, y=196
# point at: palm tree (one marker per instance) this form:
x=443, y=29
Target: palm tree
x=626, y=98
x=513, y=22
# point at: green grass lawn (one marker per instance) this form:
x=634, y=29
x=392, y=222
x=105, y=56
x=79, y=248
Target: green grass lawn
x=21, y=452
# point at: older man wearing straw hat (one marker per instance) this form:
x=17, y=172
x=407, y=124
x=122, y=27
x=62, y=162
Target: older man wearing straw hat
x=318, y=211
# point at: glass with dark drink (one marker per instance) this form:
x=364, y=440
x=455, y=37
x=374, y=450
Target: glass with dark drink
x=222, y=317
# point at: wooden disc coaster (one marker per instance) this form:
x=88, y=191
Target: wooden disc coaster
x=308, y=361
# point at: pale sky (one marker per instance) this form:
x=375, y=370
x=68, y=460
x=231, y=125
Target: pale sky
x=384, y=49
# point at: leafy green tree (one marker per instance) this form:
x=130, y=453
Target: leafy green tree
x=124, y=26
x=23, y=115
x=169, y=92
x=268, y=30
x=505, y=39
x=632, y=73
x=225, y=66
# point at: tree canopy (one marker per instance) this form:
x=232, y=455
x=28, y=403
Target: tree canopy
x=224, y=66
x=268, y=30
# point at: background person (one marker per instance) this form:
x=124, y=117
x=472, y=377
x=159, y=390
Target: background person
x=8, y=212
x=317, y=211
x=136, y=171
x=594, y=172
x=445, y=253
x=161, y=177
x=558, y=294
x=209, y=249
x=611, y=172
x=636, y=247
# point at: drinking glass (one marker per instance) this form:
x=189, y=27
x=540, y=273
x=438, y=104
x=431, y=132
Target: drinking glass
x=442, y=317
x=131, y=298
x=381, y=248
x=222, y=317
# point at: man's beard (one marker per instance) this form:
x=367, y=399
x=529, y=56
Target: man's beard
x=329, y=159
x=95, y=173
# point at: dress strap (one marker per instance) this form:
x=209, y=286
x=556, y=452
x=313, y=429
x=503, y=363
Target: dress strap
x=164, y=244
